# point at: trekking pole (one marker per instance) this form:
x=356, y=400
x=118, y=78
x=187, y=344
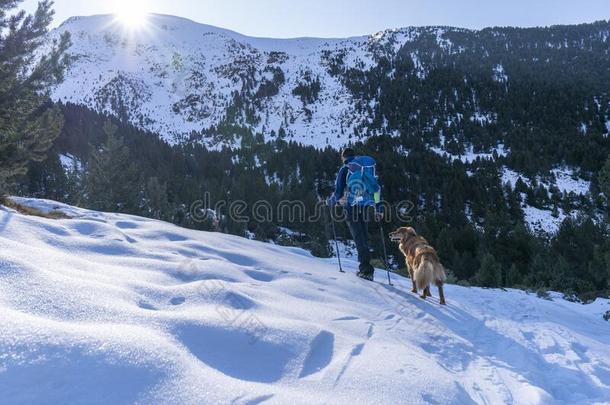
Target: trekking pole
x=332, y=222
x=385, y=252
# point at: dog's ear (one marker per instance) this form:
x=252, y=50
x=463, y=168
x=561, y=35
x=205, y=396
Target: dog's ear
x=410, y=231
x=405, y=234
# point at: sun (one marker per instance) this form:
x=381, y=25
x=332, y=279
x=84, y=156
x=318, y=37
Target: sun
x=132, y=14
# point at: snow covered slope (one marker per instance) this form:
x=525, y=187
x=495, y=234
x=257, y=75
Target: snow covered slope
x=176, y=76
x=108, y=308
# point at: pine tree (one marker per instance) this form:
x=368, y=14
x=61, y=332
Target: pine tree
x=156, y=204
x=490, y=272
x=29, y=122
x=513, y=277
x=113, y=182
x=555, y=211
x=604, y=180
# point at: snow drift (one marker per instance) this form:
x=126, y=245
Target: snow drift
x=114, y=308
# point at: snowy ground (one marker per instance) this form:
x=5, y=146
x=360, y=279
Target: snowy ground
x=113, y=308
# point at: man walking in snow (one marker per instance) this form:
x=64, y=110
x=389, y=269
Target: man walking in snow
x=359, y=193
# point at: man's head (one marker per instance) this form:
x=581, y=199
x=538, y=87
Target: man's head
x=347, y=153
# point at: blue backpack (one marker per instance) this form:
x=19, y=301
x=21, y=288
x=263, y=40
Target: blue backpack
x=362, y=185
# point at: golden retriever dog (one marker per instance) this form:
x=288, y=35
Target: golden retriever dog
x=422, y=262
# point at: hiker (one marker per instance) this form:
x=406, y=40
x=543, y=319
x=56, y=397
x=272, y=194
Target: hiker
x=359, y=193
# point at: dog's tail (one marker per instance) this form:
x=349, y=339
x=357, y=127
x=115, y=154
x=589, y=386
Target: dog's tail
x=424, y=274
x=439, y=274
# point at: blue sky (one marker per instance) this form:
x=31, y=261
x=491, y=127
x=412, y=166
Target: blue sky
x=341, y=18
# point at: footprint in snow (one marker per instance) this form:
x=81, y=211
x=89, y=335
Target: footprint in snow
x=429, y=399
x=602, y=373
x=259, y=400
x=371, y=331
x=347, y=318
x=177, y=300
x=238, y=301
x=357, y=350
x=87, y=228
x=252, y=352
x=173, y=237
x=189, y=274
x=147, y=306
x=320, y=353
x=581, y=353
x=259, y=276
x=56, y=230
x=126, y=225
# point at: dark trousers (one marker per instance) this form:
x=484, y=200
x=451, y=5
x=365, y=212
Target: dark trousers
x=357, y=221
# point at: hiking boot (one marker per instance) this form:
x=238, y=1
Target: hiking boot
x=365, y=275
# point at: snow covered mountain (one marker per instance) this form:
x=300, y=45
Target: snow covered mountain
x=110, y=308
x=178, y=76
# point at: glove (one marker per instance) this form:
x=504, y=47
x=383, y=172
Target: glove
x=331, y=201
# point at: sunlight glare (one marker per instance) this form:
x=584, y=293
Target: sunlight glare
x=132, y=13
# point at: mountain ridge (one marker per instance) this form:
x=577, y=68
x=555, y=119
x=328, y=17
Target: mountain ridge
x=179, y=77
x=451, y=27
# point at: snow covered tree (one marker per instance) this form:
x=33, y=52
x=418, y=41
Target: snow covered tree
x=29, y=122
